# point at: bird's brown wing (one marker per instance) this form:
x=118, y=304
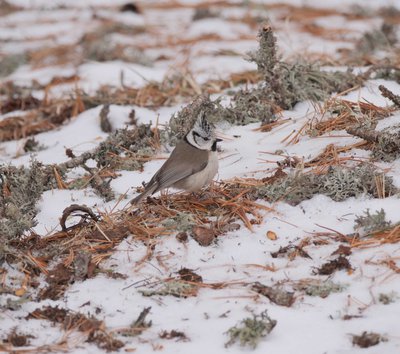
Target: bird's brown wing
x=184, y=161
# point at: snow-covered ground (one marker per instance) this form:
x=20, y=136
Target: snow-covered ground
x=174, y=42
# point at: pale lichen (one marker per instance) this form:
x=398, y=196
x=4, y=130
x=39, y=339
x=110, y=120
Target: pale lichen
x=251, y=330
x=21, y=188
x=369, y=223
x=339, y=183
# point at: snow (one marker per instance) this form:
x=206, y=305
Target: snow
x=222, y=67
x=312, y=325
x=94, y=75
x=218, y=27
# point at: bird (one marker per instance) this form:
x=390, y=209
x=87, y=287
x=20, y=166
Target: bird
x=191, y=166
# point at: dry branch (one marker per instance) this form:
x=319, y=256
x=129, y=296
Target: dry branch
x=73, y=208
x=390, y=95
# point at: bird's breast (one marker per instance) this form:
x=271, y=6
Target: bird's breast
x=202, y=178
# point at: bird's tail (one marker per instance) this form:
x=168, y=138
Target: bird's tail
x=144, y=194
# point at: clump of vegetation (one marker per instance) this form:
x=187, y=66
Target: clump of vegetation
x=181, y=222
x=275, y=294
x=386, y=72
x=173, y=288
x=138, y=141
x=287, y=84
x=377, y=45
x=387, y=146
x=181, y=122
x=14, y=97
x=105, y=49
x=389, y=298
x=11, y=62
x=138, y=326
x=315, y=287
x=21, y=188
x=202, y=13
x=94, y=329
x=32, y=145
x=386, y=143
x=250, y=106
x=284, y=85
x=251, y=330
x=247, y=108
x=372, y=222
x=368, y=339
x=332, y=266
x=339, y=183
x=378, y=39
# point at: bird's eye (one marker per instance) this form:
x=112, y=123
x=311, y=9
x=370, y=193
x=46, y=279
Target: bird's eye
x=206, y=139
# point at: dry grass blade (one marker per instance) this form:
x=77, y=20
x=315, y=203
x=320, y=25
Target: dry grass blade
x=215, y=210
x=347, y=113
x=269, y=126
x=378, y=238
x=37, y=262
x=330, y=156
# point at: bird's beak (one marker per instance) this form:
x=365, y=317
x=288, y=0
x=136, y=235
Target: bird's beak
x=218, y=140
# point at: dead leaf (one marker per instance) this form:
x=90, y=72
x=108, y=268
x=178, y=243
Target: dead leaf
x=275, y=294
x=367, y=339
x=20, y=292
x=337, y=264
x=343, y=250
x=182, y=237
x=203, y=235
x=189, y=275
x=272, y=235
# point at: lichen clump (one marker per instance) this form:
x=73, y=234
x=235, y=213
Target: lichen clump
x=339, y=183
x=287, y=84
x=251, y=330
x=181, y=222
x=283, y=86
x=372, y=222
x=383, y=38
x=21, y=188
x=387, y=147
x=173, y=288
x=181, y=122
x=320, y=288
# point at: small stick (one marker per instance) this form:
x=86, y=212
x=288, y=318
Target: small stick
x=390, y=95
x=75, y=207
